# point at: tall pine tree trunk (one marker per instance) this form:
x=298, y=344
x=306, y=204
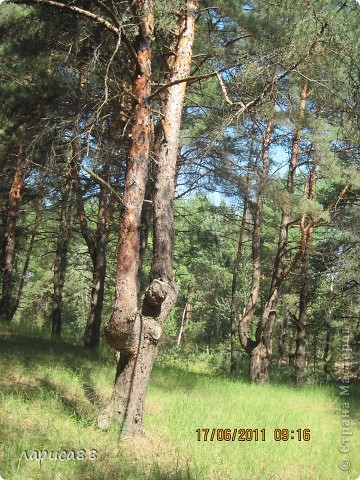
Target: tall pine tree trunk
x=60, y=263
x=260, y=350
x=135, y=327
x=233, y=291
x=15, y=197
x=300, y=353
x=257, y=356
x=62, y=245
x=92, y=330
x=27, y=262
x=125, y=330
x=260, y=364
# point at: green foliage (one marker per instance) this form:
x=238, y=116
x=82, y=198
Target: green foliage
x=203, y=262
x=41, y=53
x=166, y=16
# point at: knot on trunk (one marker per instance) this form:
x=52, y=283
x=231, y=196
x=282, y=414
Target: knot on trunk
x=124, y=335
x=152, y=330
x=156, y=293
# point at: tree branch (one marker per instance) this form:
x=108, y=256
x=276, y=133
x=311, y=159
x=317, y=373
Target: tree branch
x=112, y=27
x=305, y=230
x=191, y=79
x=226, y=96
x=102, y=182
x=80, y=11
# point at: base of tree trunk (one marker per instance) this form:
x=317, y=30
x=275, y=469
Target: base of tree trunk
x=56, y=322
x=122, y=412
x=126, y=408
x=260, y=363
x=5, y=311
x=300, y=356
x=92, y=332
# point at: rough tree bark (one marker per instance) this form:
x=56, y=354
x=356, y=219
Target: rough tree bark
x=15, y=197
x=135, y=327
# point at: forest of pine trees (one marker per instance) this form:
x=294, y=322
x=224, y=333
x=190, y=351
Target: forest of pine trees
x=182, y=177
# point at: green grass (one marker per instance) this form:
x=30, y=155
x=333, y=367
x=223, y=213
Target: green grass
x=51, y=392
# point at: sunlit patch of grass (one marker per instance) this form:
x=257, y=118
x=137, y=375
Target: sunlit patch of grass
x=191, y=401
x=51, y=393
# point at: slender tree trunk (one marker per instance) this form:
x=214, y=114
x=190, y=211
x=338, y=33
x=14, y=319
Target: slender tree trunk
x=245, y=320
x=182, y=326
x=283, y=344
x=260, y=350
x=327, y=345
x=62, y=245
x=300, y=353
x=60, y=263
x=326, y=351
x=97, y=246
x=135, y=327
x=315, y=341
x=233, y=290
x=300, y=358
x=15, y=197
x=147, y=208
x=27, y=262
x=286, y=214
x=92, y=330
x=186, y=316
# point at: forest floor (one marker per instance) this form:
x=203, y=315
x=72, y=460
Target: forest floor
x=52, y=391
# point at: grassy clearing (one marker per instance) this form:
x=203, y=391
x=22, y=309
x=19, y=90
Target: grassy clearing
x=51, y=393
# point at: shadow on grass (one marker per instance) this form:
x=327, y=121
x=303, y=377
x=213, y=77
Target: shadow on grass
x=23, y=358
x=32, y=353
x=14, y=464
x=119, y=469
